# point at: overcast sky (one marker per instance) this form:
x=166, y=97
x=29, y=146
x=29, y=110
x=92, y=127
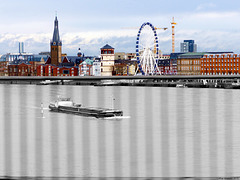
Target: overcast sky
x=90, y=24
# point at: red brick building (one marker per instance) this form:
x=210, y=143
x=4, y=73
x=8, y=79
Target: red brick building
x=3, y=68
x=19, y=68
x=66, y=68
x=220, y=64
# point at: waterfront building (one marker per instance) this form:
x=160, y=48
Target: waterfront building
x=131, y=56
x=56, y=45
x=66, y=68
x=46, y=70
x=13, y=56
x=4, y=68
x=107, y=60
x=120, y=56
x=124, y=56
x=124, y=67
x=12, y=68
x=14, y=59
x=167, y=65
x=59, y=64
x=19, y=67
x=188, y=46
x=131, y=69
x=220, y=64
x=85, y=68
x=96, y=68
x=189, y=63
x=164, y=56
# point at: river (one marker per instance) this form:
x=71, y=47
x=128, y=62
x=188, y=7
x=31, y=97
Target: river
x=165, y=132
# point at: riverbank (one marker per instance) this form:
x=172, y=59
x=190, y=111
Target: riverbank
x=225, y=84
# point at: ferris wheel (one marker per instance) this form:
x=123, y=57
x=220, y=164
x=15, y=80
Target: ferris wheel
x=147, y=50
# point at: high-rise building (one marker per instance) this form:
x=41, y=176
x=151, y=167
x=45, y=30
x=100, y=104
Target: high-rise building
x=56, y=45
x=21, y=47
x=188, y=46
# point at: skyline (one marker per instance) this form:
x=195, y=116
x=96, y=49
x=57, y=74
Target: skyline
x=90, y=25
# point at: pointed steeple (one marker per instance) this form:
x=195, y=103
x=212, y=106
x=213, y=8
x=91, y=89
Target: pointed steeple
x=56, y=45
x=56, y=38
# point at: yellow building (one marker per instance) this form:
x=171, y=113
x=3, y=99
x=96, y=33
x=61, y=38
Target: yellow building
x=189, y=63
x=120, y=55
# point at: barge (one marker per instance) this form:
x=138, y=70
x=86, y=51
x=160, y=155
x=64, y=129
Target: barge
x=66, y=105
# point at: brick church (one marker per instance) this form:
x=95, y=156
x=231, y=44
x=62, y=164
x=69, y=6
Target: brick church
x=57, y=64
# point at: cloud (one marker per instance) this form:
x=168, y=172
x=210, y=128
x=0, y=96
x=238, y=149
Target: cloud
x=123, y=40
x=211, y=40
x=217, y=15
x=91, y=42
x=206, y=6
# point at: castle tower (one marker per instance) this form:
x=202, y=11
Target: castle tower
x=56, y=45
x=107, y=60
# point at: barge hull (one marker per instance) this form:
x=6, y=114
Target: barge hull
x=85, y=112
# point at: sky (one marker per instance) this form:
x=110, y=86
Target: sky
x=90, y=24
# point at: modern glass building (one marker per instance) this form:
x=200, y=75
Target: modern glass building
x=188, y=46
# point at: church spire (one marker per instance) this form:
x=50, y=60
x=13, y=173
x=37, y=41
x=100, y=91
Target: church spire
x=56, y=37
x=56, y=45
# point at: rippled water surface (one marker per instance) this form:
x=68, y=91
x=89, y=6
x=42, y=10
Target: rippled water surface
x=165, y=132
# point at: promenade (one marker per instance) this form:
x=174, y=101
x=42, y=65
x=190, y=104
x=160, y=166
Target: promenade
x=207, y=81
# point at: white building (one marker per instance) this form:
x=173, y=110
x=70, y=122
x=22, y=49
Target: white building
x=107, y=60
x=96, y=68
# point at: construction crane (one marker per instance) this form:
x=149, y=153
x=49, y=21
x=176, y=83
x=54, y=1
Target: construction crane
x=173, y=35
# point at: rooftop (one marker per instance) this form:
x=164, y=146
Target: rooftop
x=198, y=54
x=107, y=47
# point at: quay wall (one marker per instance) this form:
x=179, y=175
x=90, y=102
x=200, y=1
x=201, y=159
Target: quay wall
x=158, y=81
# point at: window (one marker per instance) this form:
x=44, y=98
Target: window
x=65, y=71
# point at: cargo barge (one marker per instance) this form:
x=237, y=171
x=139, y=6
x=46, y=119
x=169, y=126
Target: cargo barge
x=66, y=105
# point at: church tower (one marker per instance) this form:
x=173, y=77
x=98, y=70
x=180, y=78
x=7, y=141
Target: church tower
x=56, y=45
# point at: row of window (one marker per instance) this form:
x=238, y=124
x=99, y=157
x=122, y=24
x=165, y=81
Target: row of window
x=220, y=73
x=231, y=64
x=221, y=60
x=19, y=70
x=219, y=68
